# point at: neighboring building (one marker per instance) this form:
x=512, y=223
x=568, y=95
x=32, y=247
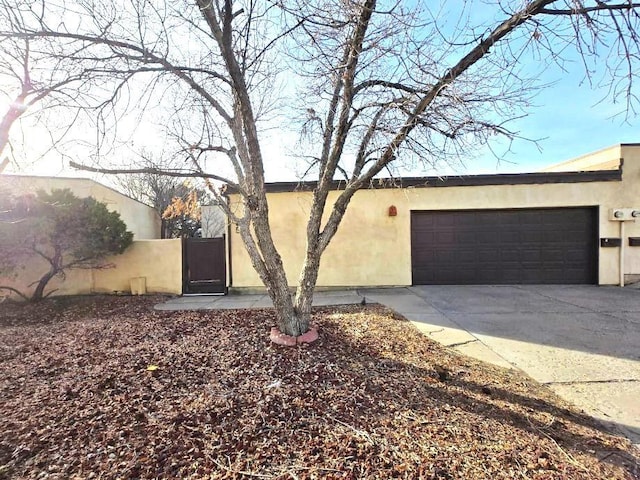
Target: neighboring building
x=150, y=264
x=553, y=227
x=213, y=221
x=140, y=219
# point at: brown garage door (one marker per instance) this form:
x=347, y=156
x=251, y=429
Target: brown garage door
x=543, y=245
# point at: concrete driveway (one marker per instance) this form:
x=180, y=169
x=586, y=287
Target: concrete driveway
x=581, y=341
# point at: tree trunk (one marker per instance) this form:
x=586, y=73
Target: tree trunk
x=306, y=286
x=289, y=319
x=38, y=293
x=163, y=228
x=267, y=262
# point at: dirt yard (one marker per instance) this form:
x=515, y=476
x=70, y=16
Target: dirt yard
x=106, y=387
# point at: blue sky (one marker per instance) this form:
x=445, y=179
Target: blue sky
x=571, y=120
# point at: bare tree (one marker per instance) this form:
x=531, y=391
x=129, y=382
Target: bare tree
x=162, y=191
x=34, y=83
x=381, y=83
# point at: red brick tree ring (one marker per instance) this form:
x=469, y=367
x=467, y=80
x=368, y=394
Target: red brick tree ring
x=280, y=338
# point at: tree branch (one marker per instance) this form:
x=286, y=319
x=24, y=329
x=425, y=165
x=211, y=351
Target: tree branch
x=146, y=56
x=582, y=10
x=391, y=85
x=16, y=291
x=154, y=171
x=413, y=120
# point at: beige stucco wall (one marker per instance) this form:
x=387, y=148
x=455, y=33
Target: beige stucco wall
x=159, y=261
x=372, y=248
x=605, y=159
x=141, y=219
x=76, y=282
x=626, y=197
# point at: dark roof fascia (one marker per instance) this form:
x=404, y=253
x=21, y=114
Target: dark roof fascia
x=460, y=181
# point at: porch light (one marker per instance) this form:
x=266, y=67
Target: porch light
x=393, y=211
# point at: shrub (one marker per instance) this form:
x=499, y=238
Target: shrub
x=66, y=231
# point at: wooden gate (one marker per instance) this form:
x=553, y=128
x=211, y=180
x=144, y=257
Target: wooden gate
x=204, y=265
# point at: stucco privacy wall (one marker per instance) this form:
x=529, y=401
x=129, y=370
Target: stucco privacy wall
x=372, y=248
x=141, y=219
x=76, y=282
x=159, y=261
x=627, y=197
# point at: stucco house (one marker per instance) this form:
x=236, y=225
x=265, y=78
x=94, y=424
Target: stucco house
x=572, y=223
x=555, y=226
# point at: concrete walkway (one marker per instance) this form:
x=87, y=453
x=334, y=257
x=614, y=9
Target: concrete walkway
x=230, y=302
x=583, y=342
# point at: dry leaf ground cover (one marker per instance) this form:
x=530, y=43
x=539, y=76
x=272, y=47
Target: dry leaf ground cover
x=372, y=399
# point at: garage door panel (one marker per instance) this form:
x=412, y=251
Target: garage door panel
x=488, y=256
x=531, y=256
x=487, y=275
x=553, y=275
x=509, y=237
x=510, y=274
x=445, y=237
x=533, y=237
x=557, y=245
x=444, y=222
x=483, y=237
x=465, y=237
x=576, y=256
x=554, y=255
x=509, y=256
